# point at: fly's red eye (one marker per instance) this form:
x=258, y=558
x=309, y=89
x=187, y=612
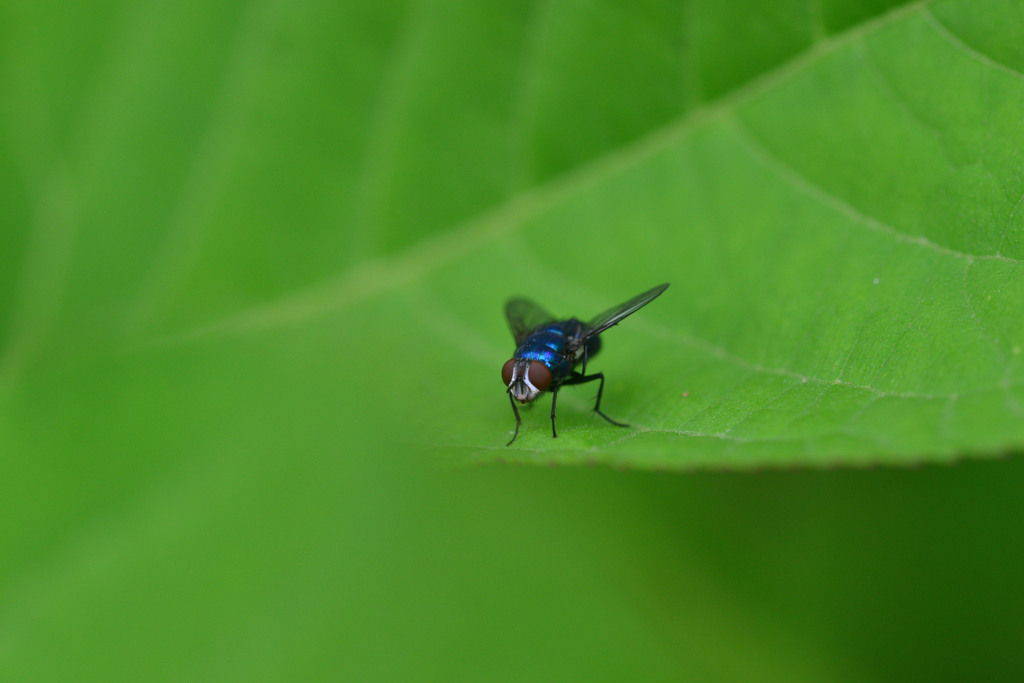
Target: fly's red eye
x=539, y=374
x=506, y=371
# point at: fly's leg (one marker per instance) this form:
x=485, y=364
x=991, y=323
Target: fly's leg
x=597, y=405
x=518, y=421
x=578, y=378
x=554, y=397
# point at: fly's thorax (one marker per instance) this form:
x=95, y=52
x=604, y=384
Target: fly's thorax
x=525, y=378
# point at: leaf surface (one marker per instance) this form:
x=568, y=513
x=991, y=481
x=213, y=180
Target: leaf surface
x=252, y=270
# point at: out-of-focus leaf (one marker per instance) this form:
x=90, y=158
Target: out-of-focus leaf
x=252, y=266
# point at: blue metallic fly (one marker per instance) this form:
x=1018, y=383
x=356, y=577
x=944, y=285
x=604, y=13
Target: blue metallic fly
x=548, y=350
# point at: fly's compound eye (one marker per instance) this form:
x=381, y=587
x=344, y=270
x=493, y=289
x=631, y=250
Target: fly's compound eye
x=506, y=371
x=539, y=375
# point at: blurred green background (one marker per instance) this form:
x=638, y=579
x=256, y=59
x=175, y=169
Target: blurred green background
x=252, y=264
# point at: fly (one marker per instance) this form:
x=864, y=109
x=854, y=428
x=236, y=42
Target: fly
x=548, y=351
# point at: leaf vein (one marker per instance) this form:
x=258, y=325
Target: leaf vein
x=209, y=171
x=805, y=185
x=956, y=41
x=722, y=353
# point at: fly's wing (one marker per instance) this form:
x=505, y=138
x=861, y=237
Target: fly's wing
x=613, y=315
x=524, y=317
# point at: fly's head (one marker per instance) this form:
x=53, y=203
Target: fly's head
x=525, y=378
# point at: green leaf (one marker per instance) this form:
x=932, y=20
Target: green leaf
x=843, y=241
x=252, y=269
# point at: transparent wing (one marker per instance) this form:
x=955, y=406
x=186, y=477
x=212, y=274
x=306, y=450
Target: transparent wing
x=613, y=315
x=524, y=317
